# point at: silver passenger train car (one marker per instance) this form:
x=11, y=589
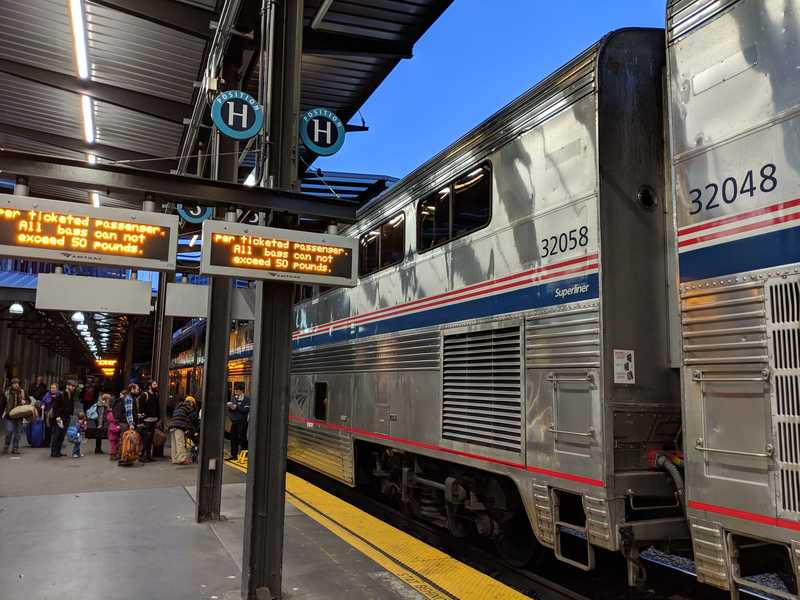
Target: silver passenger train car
x=734, y=112
x=503, y=366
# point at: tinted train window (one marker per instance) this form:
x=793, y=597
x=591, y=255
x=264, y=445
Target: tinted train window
x=472, y=205
x=455, y=210
x=433, y=216
x=393, y=241
x=382, y=246
x=321, y=401
x=369, y=249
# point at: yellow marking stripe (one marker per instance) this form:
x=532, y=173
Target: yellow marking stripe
x=396, y=551
x=406, y=576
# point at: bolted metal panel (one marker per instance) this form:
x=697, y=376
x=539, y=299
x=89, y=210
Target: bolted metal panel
x=124, y=128
x=39, y=107
x=136, y=54
x=37, y=32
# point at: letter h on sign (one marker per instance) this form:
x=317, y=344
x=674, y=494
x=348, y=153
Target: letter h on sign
x=232, y=114
x=328, y=131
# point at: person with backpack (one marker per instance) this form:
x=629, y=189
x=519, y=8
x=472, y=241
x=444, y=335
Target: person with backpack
x=148, y=411
x=184, y=422
x=131, y=443
x=62, y=410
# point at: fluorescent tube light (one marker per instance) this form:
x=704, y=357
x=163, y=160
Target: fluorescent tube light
x=79, y=37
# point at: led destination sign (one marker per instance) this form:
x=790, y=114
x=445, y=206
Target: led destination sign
x=72, y=232
x=240, y=250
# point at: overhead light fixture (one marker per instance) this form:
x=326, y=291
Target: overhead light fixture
x=99, y=316
x=251, y=179
x=82, y=327
x=16, y=309
x=95, y=199
x=77, y=317
x=91, y=159
x=79, y=37
x=193, y=241
x=88, y=119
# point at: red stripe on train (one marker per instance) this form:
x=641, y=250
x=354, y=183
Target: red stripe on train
x=740, y=229
x=455, y=295
x=741, y=216
x=744, y=515
x=415, y=444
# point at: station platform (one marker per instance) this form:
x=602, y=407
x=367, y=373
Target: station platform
x=87, y=528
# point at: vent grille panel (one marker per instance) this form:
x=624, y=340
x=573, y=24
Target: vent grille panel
x=482, y=388
x=398, y=353
x=784, y=325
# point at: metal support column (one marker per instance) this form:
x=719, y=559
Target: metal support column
x=161, y=369
x=215, y=370
x=262, y=561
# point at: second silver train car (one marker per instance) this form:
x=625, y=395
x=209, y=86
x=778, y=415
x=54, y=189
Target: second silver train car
x=734, y=89
x=503, y=365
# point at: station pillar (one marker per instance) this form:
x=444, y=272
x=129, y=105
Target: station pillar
x=215, y=369
x=262, y=560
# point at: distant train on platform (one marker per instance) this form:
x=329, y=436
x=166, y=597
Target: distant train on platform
x=578, y=327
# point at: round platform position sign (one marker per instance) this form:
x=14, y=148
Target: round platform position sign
x=192, y=213
x=237, y=114
x=322, y=131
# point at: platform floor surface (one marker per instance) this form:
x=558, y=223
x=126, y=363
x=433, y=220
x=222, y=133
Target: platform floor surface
x=86, y=528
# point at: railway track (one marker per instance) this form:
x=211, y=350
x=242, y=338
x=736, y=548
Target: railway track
x=547, y=579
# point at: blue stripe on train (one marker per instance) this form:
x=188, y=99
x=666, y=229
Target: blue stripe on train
x=584, y=287
x=763, y=251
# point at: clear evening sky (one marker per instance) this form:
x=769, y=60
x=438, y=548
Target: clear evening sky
x=477, y=57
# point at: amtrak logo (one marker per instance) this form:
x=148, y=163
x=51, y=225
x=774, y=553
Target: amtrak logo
x=237, y=114
x=322, y=131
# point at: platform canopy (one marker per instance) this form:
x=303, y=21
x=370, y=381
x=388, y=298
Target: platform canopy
x=116, y=81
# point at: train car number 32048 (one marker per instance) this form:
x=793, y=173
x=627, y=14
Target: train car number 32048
x=709, y=196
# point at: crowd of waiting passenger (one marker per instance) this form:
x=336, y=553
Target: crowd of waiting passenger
x=131, y=420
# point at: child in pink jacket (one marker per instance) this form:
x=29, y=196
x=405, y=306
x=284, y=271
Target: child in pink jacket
x=113, y=430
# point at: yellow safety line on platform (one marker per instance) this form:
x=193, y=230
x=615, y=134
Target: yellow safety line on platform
x=419, y=565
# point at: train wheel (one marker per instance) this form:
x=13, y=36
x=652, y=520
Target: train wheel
x=516, y=543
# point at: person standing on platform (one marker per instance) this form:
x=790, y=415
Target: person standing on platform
x=89, y=394
x=101, y=429
x=114, y=415
x=129, y=402
x=14, y=397
x=238, y=411
x=62, y=410
x=39, y=389
x=81, y=424
x=148, y=412
x=183, y=423
x=47, y=410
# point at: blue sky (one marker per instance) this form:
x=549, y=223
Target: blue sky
x=477, y=57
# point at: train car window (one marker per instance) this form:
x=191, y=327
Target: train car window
x=382, y=246
x=369, y=252
x=321, y=401
x=472, y=201
x=393, y=239
x=303, y=292
x=433, y=218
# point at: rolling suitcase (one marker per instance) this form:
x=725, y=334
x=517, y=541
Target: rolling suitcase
x=34, y=431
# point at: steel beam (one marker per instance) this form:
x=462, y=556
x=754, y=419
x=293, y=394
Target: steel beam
x=190, y=19
x=214, y=398
x=163, y=108
x=316, y=41
x=262, y=559
x=110, y=153
x=168, y=186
